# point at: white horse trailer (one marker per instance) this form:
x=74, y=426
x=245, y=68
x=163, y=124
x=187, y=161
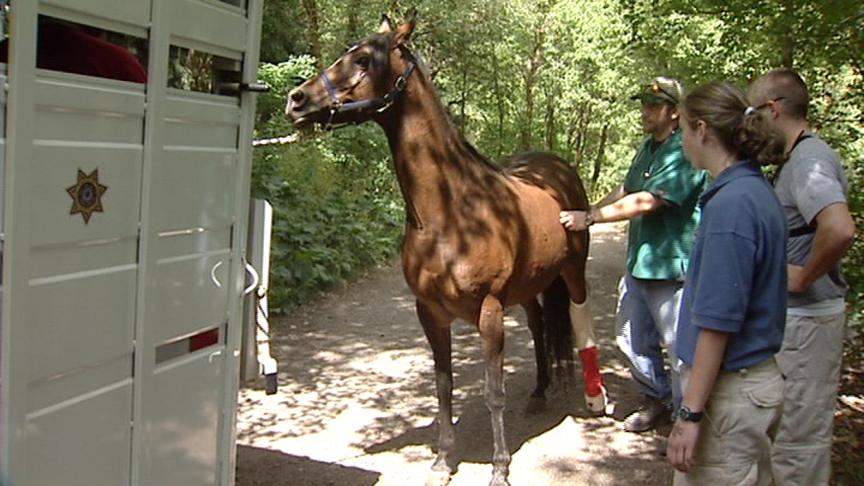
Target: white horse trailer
x=121, y=316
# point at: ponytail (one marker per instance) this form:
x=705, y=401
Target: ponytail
x=759, y=140
x=742, y=129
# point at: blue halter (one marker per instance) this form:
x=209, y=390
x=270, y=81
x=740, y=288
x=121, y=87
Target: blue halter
x=379, y=104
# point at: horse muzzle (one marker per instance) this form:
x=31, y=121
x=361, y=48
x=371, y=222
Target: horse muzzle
x=297, y=107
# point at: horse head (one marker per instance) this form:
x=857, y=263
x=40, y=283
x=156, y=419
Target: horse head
x=361, y=85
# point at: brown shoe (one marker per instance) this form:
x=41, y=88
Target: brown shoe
x=644, y=418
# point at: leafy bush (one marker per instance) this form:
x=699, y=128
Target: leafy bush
x=853, y=271
x=337, y=208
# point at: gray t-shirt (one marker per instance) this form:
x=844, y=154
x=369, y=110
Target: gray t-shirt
x=810, y=181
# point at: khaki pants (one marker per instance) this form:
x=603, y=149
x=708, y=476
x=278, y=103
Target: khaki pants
x=810, y=360
x=741, y=418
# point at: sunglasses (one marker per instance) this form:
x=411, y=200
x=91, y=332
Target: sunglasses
x=656, y=89
x=770, y=102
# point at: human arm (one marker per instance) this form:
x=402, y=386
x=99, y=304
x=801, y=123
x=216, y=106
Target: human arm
x=835, y=231
x=623, y=208
x=670, y=180
x=710, y=348
x=613, y=196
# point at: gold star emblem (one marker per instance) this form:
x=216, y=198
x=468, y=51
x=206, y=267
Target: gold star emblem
x=87, y=195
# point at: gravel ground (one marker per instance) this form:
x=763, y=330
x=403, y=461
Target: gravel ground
x=356, y=401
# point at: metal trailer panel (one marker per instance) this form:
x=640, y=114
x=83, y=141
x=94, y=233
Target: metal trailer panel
x=82, y=280
x=84, y=443
x=243, y=183
x=219, y=28
x=3, y=81
x=100, y=384
x=15, y=340
x=256, y=359
x=131, y=18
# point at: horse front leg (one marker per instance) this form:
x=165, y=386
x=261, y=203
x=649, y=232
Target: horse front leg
x=491, y=324
x=437, y=329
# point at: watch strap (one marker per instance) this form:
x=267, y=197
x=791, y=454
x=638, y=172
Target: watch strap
x=589, y=217
x=687, y=415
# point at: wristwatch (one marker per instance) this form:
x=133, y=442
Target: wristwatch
x=687, y=415
x=589, y=217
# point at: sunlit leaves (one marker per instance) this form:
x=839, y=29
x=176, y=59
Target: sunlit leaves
x=583, y=58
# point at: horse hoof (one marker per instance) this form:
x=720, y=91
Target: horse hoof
x=438, y=478
x=597, y=404
x=499, y=479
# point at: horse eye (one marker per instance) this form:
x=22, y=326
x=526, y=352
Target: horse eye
x=363, y=62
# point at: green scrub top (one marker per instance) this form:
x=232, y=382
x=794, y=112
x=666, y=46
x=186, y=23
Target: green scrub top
x=660, y=242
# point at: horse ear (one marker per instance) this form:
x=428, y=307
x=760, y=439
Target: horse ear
x=403, y=32
x=386, y=26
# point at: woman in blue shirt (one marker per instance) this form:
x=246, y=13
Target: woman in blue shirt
x=734, y=303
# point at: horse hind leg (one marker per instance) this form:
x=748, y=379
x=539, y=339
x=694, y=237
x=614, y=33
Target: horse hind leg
x=437, y=329
x=596, y=398
x=535, y=323
x=491, y=324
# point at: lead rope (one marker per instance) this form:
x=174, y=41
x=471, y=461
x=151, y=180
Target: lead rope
x=276, y=141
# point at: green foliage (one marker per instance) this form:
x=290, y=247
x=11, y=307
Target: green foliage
x=282, y=38
x=324, y=239
x=336, y=206
x=854, y=269
x=521, y=74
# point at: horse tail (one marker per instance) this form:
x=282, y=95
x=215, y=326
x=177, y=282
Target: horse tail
x=558, y=330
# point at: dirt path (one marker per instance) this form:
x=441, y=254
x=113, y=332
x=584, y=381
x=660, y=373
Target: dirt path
x=356, y=399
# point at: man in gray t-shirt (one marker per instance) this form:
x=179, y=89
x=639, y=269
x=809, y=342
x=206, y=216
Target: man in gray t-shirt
x=812, y=187
x=812, y=180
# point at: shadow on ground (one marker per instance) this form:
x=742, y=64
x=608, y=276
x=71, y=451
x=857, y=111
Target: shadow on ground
x=357, y=390
x=263, y=467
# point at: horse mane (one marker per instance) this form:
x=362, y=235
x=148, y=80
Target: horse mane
x=423, y=68
x=480, y=157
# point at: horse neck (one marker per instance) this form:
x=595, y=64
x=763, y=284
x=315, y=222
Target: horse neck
x=433, y=162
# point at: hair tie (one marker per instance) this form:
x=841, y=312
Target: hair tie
x=749, y=111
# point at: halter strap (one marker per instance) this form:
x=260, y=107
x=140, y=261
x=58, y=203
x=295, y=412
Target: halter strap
x=379, y=104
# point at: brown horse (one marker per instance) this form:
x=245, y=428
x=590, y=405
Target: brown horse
x=478, y=239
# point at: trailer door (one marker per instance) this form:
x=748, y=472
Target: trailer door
x=125, y=221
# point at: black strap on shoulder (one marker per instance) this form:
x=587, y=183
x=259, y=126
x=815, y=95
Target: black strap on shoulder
x=803, y=135
x=800, y=138
x=810, y=228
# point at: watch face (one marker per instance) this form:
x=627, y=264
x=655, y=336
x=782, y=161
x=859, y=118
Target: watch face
x=686, y=414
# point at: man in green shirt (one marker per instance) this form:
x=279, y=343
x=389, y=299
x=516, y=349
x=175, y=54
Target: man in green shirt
x=659, y=197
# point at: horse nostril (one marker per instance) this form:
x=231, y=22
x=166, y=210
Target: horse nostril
x=297, y=97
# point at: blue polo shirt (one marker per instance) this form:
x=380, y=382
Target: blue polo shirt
x=736, y=282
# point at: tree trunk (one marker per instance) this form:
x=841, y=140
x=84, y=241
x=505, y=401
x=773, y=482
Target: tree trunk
x=571, y=137
x=601, y=156
x=499, y=99
x=550, y=123
x=313, y=31
x=534, y=64
x=576, y=129
x=463, y=126
x=583, y=123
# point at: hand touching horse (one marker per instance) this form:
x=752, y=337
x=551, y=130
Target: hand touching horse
x=478, y=239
